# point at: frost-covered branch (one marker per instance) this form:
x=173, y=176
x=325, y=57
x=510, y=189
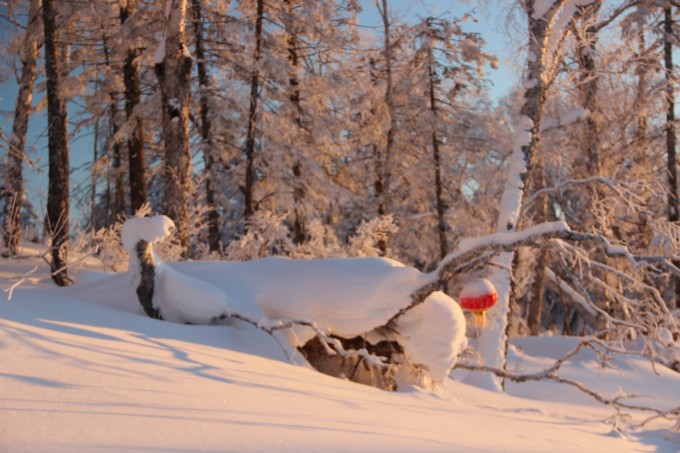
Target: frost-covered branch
x=472, y=250
x=551, y=375
x=606, y=182
x=583, y=305
x=15, y=285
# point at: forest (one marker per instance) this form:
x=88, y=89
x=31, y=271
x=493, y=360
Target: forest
x=286, y=128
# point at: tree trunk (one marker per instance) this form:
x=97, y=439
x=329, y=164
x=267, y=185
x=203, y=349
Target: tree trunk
x=147, y=279
x=299, y=226
x=492, y=343
x=384, y=193
x=671, y=140
x=174, y=77
x=14, y=182
x=94, y=175
x=438, y=185
x=586, y=48
x=206, y=125
x=537, y=294
x=133, y=96
x=249, y=187
x=643, y=66
x=114, y=122
x=59, y=168
x=379, y=165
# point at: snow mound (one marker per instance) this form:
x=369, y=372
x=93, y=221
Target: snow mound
x=149, y=229
x=185, y=299
x=433, y=334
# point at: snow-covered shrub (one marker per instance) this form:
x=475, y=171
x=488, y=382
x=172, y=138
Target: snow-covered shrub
x=369, y=234
x=104, y=244
x=266, y=235
x=322, y=242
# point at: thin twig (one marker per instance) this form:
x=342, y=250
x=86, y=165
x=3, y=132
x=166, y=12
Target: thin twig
x=16, y=284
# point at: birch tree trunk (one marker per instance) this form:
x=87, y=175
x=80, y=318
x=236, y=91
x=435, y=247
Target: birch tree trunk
x=492, y=344
x=133, y=96
x=586, y=41
x=58, y=194
x=206, y=127
x=14, y=182
x=174, y=76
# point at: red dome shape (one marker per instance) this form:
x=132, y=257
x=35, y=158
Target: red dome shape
x=478, y=296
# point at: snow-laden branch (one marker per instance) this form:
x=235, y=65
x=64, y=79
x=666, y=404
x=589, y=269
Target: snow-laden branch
x=470, y=250
x=551, y=374
x=582, y=304
x=606, y=182
x=572, y=117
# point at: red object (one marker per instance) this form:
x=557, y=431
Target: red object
x=478, y=296
x=479, y=303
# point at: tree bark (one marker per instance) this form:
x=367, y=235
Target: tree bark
x=14, y=182
x=671, y=139
x=299, y=224
x=643, y=66
x=249, y=187
x=147, y=279
x=93, y=176
x=537, y=294
x=379, y=165
x=133, y=96
x=438, y=185
x=174, y=77
x=384, y=166
x=58, y=195
x=114, y=123
x=206, y=126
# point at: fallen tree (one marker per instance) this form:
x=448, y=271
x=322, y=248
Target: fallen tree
x=379, y=349
x=346, y=334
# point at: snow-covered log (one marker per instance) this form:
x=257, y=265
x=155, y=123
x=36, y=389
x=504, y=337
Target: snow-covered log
x=333, y=310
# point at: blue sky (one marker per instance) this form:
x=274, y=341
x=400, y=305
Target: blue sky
x=81, y=147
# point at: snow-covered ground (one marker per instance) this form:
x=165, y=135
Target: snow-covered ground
x=83, y=371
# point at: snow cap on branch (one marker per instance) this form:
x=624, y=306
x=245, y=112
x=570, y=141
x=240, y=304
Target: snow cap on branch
x=149, y=229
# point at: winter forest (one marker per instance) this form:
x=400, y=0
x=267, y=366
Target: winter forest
x=339, y=188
